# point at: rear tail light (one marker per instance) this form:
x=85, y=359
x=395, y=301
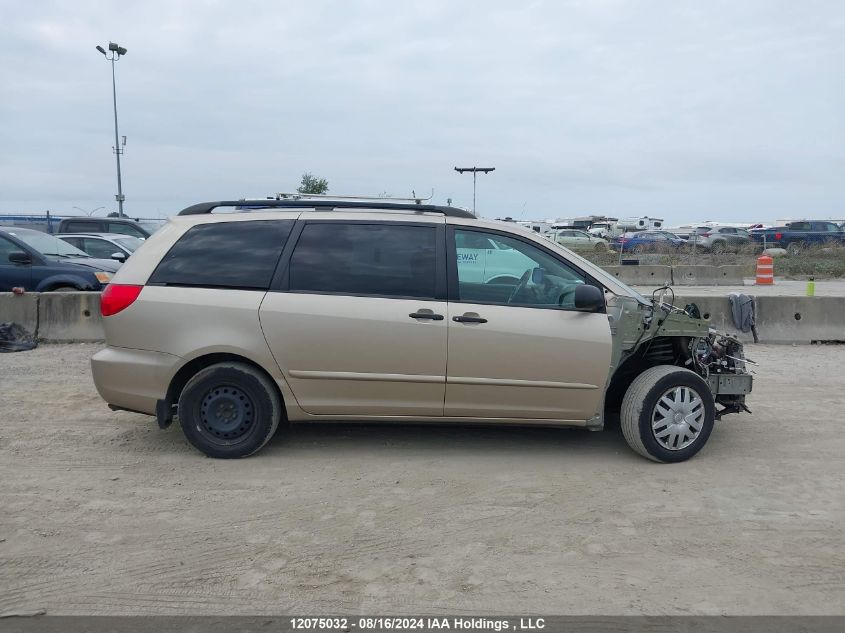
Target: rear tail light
x=705, y=235
x=778, y=236
x=117, y=297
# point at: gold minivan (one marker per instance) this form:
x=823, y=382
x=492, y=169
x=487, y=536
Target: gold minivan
x=238, y=317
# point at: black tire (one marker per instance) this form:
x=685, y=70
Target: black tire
x=794, y=248
x=229, y=410
x=600, y=247
x=64, y=289
x=718, y=247
x=639, y=412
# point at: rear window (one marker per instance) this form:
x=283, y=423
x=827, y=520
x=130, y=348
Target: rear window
x=240, y=255
x=81, y=227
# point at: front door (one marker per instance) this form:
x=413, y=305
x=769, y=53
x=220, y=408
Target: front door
x=359, y=325
x=13, y=275
x=521, y=350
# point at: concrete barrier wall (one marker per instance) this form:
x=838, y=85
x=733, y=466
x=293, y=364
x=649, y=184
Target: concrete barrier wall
x=707, y=275
x=61, y=317
x=801, y=319
x=779, y=319
x=75, y=316
x=680, y=275
x=643, y=275
x=70, y=316
x=22, y=309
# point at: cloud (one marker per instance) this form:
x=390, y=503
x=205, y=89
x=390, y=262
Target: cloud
x=612, y=105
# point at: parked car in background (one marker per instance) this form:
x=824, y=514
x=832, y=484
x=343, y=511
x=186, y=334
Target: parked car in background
x=796, y=236
x=139, y=228
x=719, y=239
x=647, y=242
x=39, y=262
x=103, y=245
x=575, y=239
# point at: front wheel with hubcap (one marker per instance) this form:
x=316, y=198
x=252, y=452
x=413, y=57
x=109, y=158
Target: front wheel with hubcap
x=229, y=410
x=667, y=414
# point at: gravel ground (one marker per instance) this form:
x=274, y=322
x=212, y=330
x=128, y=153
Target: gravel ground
x=102, y=513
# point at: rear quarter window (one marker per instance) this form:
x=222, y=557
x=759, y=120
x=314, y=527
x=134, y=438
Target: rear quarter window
x=240, y=255
x=82, y=227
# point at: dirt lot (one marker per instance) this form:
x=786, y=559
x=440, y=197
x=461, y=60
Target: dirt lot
x=102, y=513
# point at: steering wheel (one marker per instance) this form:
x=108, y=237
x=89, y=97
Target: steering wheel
x=567, y=294
x=520, y=286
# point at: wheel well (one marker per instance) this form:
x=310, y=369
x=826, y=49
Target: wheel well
x=177, y=384
x=663, y=350
x=60, y=285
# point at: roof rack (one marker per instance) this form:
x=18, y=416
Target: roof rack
x=324, y=196
x=326, y=205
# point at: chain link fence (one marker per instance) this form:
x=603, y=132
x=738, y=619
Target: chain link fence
x=820, y=262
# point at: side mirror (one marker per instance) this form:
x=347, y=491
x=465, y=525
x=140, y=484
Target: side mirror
x=589, y=299
x=120, y=257
x=20, y=257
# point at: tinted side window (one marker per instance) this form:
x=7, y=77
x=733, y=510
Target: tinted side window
x=74, y=241
x=125, y=229
x=99, y=248
x=82, y=227
x=226, y=255
x=386, y=260
x=6, y=248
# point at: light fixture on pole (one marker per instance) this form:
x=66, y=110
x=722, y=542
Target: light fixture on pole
x=474, y=171
x=117, y=52
x=89, y=213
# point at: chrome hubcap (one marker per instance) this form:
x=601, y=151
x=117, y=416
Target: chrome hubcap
x=678, y=418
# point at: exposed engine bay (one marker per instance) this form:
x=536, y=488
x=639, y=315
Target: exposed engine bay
x=718, y=358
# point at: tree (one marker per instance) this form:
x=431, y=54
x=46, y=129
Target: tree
x=313, y=184
x=113, y=214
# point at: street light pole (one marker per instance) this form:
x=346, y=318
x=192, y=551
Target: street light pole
x=116, y=53
x=474, y=171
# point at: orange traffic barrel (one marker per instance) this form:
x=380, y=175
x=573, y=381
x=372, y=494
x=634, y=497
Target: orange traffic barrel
x=765, y=270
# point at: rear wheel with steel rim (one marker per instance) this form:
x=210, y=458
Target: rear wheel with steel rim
x=229, y=410
x=667, y=414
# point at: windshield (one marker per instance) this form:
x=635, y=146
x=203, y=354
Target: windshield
x=49, y=245
x=129, y=243
x=600, y=274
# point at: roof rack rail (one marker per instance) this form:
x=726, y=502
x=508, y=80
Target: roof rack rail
x=326, y=205
x=325, y=196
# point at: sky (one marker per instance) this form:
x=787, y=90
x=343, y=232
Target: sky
x=678, y=109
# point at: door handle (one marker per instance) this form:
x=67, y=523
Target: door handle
x=469, y=319
x=426, y=315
